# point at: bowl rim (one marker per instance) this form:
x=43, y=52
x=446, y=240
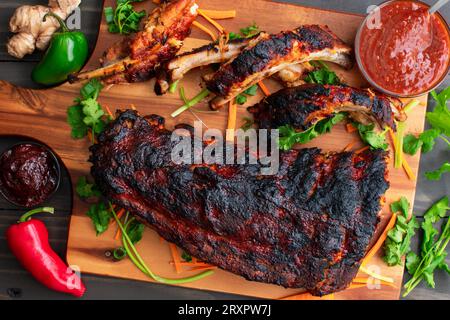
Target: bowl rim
x=58, y=171
x=371, y=81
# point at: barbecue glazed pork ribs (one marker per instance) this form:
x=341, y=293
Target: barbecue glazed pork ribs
x=269, y=54
x=304, y=105
x=135, y=59
x=308, y=226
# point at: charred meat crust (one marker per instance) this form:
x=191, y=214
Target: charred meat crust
x=308, y=226
x=306, y=39
x=303, y=105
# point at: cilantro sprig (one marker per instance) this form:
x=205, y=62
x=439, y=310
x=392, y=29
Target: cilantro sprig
x=289, y=136
x=100, y=217
x=87, y=113
x=246, y=32
x=437, y=174
x=439, y=119
x=85, y=190
x=322, y=75
x=242, y=98
x=124, y=19
x=374, y=139
x=398, y=240
x=432, y=253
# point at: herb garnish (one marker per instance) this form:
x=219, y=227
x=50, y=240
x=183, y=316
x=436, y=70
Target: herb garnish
x=398, y=240
x=289, y=137
x=247, y=32
x=242, y=98
x=124, y=19
x=100, y=217
x=369, y=136
x=87, y=113
x=85, y=189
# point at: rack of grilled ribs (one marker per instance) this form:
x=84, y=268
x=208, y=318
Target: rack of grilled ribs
x=136, y=59
x=308, y=226
x=269, y=54
x=217, y=53
x=304, y=105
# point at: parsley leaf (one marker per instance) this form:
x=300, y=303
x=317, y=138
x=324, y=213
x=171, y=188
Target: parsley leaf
x=135, y=231
x=85, y=189
x=426, y=141
x=322, y=76
x=289, y=137
x=242, y=98
x=399, y=237
x=87, y=113
x=369, y=136
x=437, y=174
x=439, y=118
x=100, y=217
x=432, y=254
x=124, y=19
x=247, y=32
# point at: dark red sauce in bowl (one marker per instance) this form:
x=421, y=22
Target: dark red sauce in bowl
x=406, y=51
x=29, y=174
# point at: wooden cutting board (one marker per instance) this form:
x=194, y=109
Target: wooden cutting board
x=42, y=115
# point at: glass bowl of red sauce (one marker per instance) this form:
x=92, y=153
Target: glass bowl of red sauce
x=29, y=174
x=402, y=50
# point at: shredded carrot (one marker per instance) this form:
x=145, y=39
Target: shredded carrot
x=232, y=112
x=264, y=89
x=351, y=128
x=380, y=240
x=350, y=145
x=205, y=29
x=408, y=170
x=219, y=14
x=367, y=281
x=203, y=268
x=109, y=112
x=362, y=150
x=307, y=296
x=214, y=23
x=119, y=215
x=175, y=257
x=161, y=239
x=376, y=275
x=132, y=106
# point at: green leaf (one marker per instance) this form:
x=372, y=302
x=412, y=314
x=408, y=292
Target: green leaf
x=250, y=30
x=251, y=91
x=75, y=120
x=411, y=144
x=437, y=174
x=369, y=136
x=85, y=189
x=439, y=118
x=428, y=138
x=402, y=206
x=412, y=262
x=91, y=89
x=322, y=76
x=124, y=19
x=100, y=217
x=135, y=231
x=437, y=211
x=289, y=137
x=186, y=256
x=241, y=99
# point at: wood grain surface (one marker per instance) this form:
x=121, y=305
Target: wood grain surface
x=41, y=114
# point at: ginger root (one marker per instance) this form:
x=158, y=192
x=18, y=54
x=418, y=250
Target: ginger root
x=31, y=31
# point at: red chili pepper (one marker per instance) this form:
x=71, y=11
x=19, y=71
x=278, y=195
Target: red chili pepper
x=28, y=241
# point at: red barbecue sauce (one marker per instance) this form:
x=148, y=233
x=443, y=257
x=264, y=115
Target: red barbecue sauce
x=409, y=54
x=28, y=174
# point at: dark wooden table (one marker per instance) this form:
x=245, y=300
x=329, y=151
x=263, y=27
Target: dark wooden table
x=15, y=283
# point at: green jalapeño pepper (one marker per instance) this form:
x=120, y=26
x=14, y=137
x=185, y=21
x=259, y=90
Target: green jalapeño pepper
x=67, y=53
